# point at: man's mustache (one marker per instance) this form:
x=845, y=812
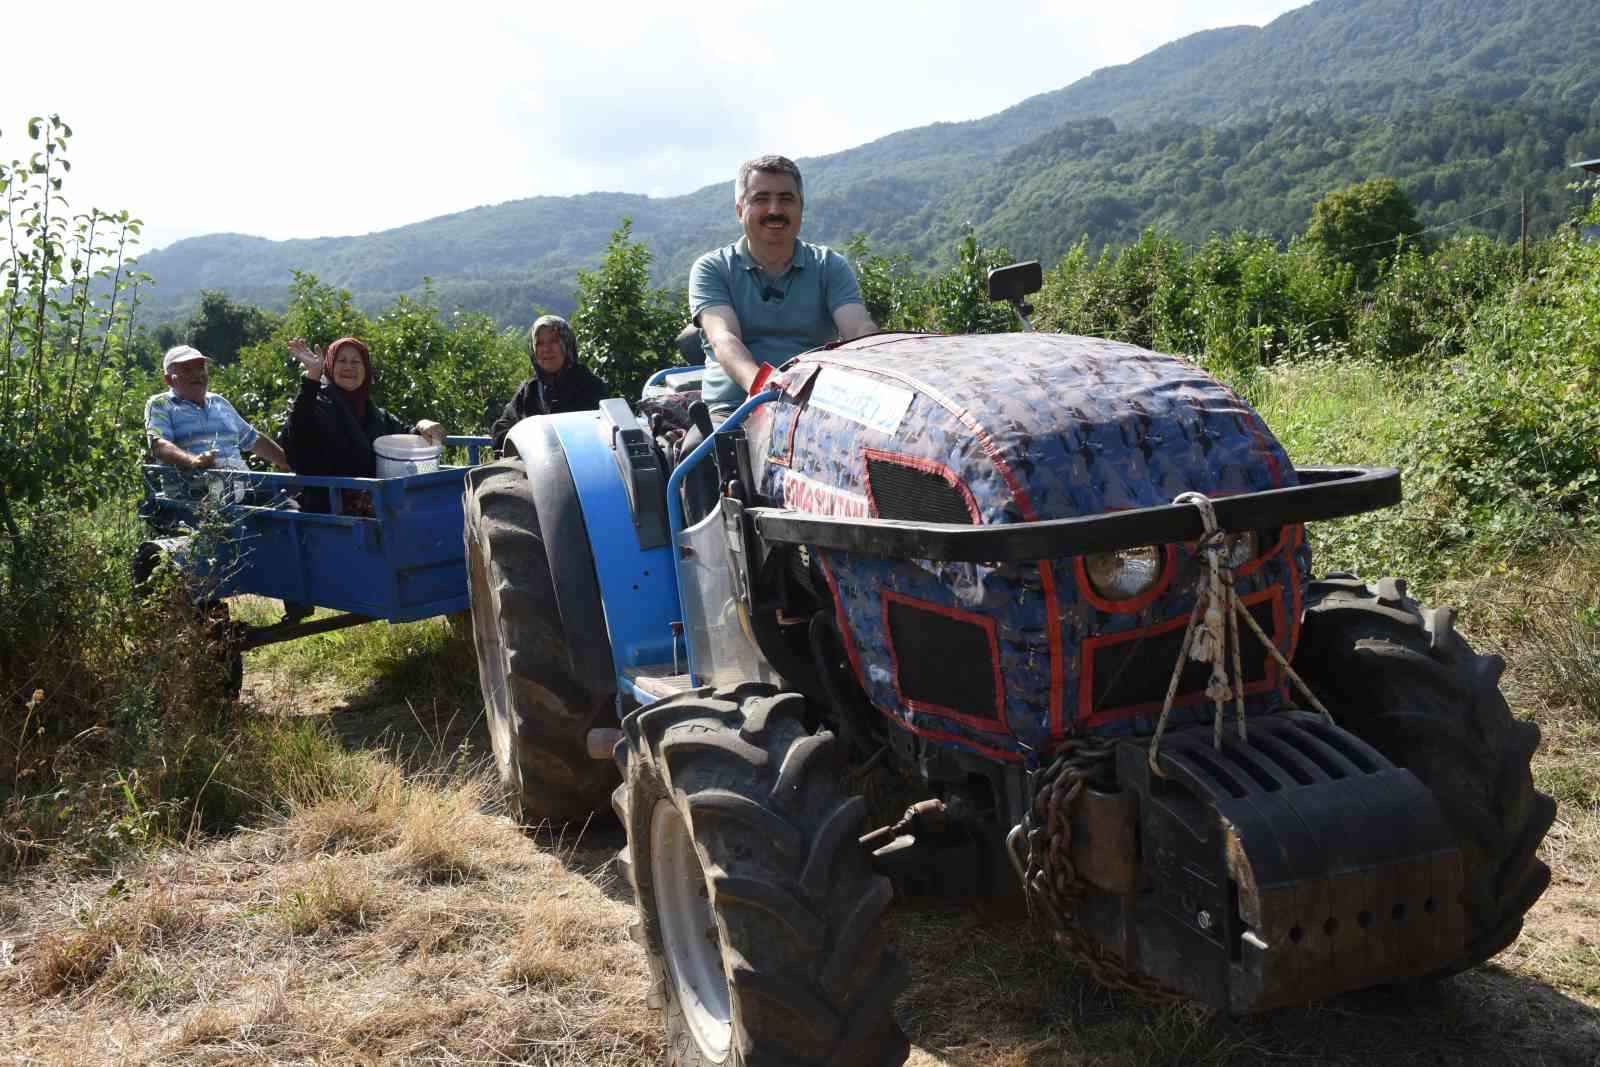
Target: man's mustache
x=775, y=218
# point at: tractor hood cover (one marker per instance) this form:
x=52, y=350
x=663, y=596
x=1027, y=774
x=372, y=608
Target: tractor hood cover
x=1015, y=428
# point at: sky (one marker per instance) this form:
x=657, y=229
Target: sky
x=295, y=119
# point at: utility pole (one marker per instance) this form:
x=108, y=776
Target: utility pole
x=1522, y=254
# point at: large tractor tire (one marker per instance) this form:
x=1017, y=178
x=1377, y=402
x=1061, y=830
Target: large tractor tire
x=761, y=916
x=1397, y=675
x=540, y=712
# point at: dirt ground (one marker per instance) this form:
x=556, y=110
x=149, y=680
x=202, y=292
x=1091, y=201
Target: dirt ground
x=416, y=928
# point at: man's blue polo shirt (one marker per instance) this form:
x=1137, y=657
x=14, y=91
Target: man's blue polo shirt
x=779, y=317
x=198, y=427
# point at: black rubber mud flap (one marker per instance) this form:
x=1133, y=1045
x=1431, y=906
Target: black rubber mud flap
x=1396, y=674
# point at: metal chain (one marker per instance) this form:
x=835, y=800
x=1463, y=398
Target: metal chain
x=1041, y=851
x=1040, y=847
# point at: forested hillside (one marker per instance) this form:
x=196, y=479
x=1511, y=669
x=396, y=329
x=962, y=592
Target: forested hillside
x=1465, y=102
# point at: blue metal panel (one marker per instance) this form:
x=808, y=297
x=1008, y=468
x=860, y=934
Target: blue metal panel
x=638, y=587
x=701, y=454
x=405, y=563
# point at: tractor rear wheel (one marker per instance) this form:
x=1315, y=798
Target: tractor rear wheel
x=1397, y=675
x=761, y=916
x=539, y=711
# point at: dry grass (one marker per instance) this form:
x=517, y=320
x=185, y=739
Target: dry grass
x=390, y=917
x=398, y=924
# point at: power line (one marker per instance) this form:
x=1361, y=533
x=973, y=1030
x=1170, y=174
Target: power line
x=1431, y=229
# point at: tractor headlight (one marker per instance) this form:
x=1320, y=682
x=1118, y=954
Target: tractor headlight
x=1126, y=574
x=1240, y=548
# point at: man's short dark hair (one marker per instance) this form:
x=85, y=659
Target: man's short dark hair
x=766, y=165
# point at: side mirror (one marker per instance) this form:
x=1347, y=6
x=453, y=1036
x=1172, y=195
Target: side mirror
x=1018, y=280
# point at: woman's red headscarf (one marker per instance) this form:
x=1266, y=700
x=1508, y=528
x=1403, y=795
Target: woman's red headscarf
x=356, y=397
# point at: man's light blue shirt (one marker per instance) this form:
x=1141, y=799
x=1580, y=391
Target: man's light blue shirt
x=778, y=317
x=198, y=427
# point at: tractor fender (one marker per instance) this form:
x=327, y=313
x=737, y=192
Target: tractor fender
x=617, y=600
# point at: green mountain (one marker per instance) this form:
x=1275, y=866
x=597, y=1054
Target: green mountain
x=1468, y=103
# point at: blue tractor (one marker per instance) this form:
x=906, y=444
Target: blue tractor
x=1052, y=597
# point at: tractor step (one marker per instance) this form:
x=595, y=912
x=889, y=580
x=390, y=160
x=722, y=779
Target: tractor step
x=654, y=681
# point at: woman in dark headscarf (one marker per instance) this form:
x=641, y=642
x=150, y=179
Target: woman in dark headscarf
x=332, y=422
x=559, y=383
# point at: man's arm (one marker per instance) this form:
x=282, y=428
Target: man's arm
x=853, y=321
x=173, y=456
x=721, y=327
x=268, y=449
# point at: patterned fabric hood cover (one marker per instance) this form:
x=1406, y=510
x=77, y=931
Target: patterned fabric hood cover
x=1021, y=428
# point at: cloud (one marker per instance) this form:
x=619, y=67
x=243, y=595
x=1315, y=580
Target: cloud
x=309, y=118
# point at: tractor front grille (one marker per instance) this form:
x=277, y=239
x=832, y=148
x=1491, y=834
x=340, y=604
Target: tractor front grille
x=902, y=491
x=1130, y=672
x=945, y=661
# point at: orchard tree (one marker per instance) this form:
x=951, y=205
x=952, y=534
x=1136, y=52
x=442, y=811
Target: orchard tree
x=626, y=328
x=221, y=326
x=1363, y=225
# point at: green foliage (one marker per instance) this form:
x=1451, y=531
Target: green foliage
x=67, y=294
x=959, y=297
x=221, y=326
x=1362, y=225
x=1517, y=424
x=113, y=714
x=951, y=301
x=1236, y=301
x=890, y=287
x=457, y=369
x=1424, y=305
x=626, y=328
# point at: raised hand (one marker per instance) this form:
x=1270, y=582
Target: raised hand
x=311, y=358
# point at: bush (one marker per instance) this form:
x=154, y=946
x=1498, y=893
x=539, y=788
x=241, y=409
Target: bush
x=625, y=328
x=1516, y=424
x=459, y=370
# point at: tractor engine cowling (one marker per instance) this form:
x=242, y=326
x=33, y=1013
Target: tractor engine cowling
x=1005, y=659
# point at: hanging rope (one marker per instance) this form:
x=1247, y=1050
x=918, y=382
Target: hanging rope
x=1213, y=628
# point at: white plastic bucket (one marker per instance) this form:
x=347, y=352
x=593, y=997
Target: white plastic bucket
x=400, y=454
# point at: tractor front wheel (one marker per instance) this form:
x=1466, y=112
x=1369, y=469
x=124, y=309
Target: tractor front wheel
x=762, y=919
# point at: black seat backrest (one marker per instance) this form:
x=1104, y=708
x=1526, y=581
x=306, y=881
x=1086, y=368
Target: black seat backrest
x=689, y=345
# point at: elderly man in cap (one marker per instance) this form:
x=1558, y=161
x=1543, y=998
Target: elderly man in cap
x=195, y=430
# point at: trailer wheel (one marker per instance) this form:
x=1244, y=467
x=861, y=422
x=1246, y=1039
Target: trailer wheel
x=762, y=919
x=1397, y=675
x=539, y=711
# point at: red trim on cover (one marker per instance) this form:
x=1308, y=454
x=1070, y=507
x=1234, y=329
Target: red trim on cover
x=927, y=466
x=844, y=624
x=1296, y=580
x=1247, y=569
x=855, y=665
x=1019, y=496
x=990, y=628
x=1088, y=717
x=954, y=739
x=1169, y=567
